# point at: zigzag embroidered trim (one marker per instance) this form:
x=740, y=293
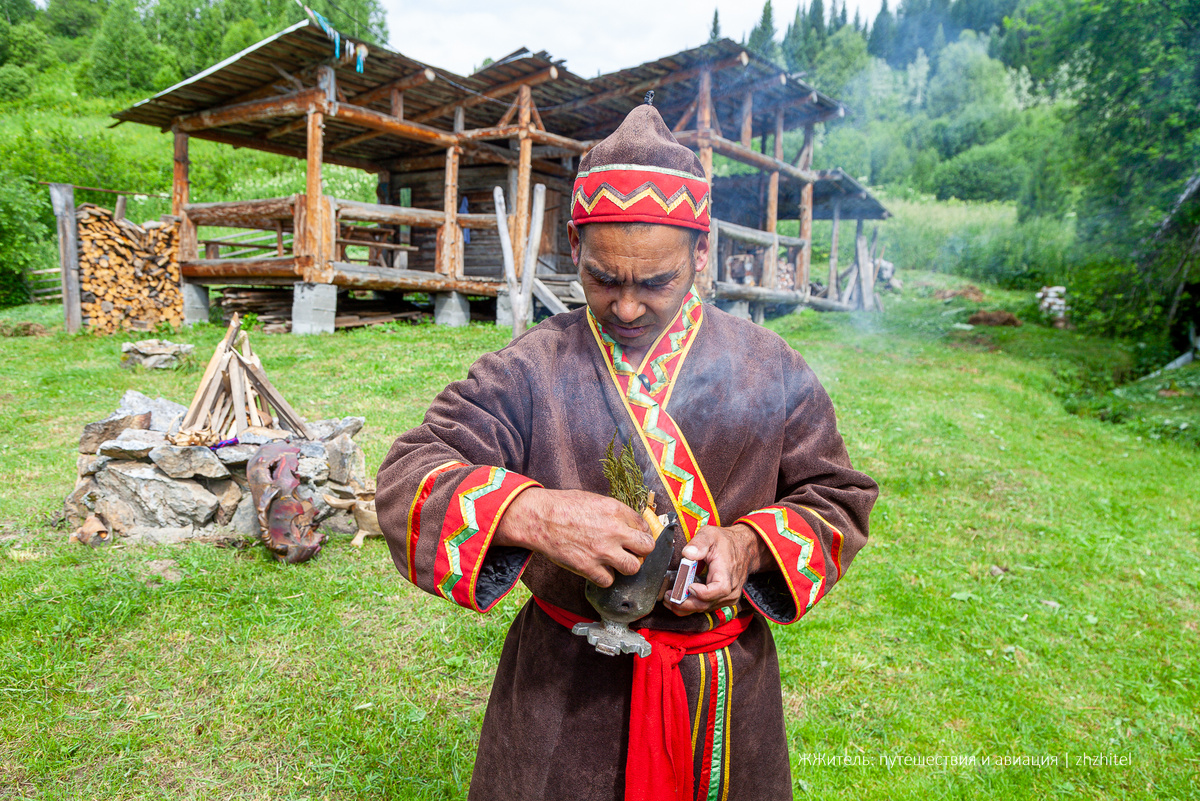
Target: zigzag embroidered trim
x=674, y=460
x=648, y=189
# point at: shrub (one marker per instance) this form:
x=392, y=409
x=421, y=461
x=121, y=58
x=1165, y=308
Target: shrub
x=25, y=237
x=14, y=83
x=28, y=45
x=990, y=172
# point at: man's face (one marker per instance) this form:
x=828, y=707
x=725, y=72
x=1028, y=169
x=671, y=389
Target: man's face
x=635, y=277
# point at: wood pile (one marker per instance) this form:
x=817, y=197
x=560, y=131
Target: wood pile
x=235, y=395
x=272, y=308
x=128, y=273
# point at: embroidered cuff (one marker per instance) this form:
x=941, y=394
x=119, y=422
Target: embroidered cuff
x=466, y=571
x=785, y=596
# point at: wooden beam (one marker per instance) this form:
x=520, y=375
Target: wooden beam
x=242, y=213
x=688, y=113
x=406, y=215
x=548, y=74
x=272, y=88
x=520, y=229
x=361, y=276
x=266, y=267
x=400, y=85
x=756, y=294
x=745, y=155
x=288, y=105
x=535, y=135
x=257, y=143
x=740, y=60
x=387, y=124
x=753, y=236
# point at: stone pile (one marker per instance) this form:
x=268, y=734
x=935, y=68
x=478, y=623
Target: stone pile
x=135, y=485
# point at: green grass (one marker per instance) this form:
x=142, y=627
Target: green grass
x=248, y=679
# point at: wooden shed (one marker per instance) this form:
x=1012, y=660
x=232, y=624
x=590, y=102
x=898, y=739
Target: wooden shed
x=439, y=142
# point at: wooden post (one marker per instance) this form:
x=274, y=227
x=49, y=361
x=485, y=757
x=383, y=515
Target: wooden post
x=62, y=199
x=520, y=229
x=119, y=210
x=771, y=265
x=866, y=272
x=747, y=137
x=450, y=233
x=317, y=238
x=806, y=212
x=397, y=104
x=706, y=280
x=831, y=291
x=180, y=197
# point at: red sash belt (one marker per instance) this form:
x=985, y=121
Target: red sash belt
x=659, y=762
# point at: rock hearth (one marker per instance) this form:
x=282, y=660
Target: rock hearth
x=139, y=487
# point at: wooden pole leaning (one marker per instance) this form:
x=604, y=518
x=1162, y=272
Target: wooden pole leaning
x=520, y=287
x=831, y=291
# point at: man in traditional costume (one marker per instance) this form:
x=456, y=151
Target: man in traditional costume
x=503, y=482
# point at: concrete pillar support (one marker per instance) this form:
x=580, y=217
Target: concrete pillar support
x=314, y=307
x=452, y=309
x=195, y=303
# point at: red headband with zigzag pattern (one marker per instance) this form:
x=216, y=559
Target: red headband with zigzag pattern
x=640, y=193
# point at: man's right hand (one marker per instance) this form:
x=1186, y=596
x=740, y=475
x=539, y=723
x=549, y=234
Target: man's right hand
x=588, y=534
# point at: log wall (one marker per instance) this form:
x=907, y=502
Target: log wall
x=475, y=182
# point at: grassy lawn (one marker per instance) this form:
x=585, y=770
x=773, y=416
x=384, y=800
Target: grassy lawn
x=1030, y=594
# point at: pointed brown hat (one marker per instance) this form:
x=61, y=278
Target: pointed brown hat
x=639, y=173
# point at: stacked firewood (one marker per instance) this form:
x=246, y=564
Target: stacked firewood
x=128, y=274
x=235, y=395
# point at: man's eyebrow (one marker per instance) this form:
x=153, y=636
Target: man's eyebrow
x=608, y=278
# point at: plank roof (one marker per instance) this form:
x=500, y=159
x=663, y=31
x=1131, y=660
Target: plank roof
x=569, y=105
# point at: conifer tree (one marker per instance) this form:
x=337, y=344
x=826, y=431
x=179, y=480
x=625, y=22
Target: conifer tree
x=762, y=37
x=714, y=33
x=883, y=34
x=816, y=23
x=123, y=57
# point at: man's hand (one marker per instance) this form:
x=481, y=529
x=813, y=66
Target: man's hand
x=731, y=554
x=588, y=534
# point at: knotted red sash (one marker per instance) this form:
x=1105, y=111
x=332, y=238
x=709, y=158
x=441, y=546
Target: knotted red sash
x=658, y=764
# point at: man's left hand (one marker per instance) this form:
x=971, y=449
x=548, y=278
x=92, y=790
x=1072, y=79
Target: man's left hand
x=731, y=555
